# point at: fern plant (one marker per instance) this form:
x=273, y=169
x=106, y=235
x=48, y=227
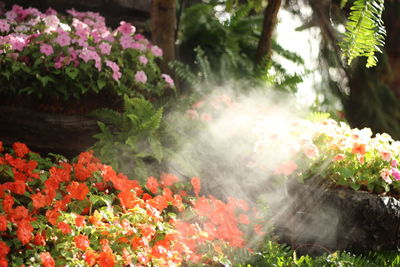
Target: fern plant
x=365, y=31
x=130, y=141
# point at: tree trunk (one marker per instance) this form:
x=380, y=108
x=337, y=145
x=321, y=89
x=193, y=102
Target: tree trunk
x=163, y=26
x=270, y=19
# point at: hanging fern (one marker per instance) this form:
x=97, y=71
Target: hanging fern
x=364, y=31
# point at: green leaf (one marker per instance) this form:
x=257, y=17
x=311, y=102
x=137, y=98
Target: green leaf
x=346, y=172
x=71, y=72
x=355, y=186
x=101, y=84
x=43, y=79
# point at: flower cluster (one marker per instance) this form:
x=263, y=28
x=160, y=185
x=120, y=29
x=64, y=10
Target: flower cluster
x=350, y=157
x=86, y=214
x=48, y=53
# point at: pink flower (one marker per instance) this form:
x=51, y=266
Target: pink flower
x=310, y=150
x=18, y=42
x=115, y=68
x=139, y=36
x=156, y=51
x=386, y=155
x=63, y=39
x=105, y=48
x=51, y=22
x=126, y=28
x=286, y=168
x=168, y=80
x=385, y=174
x=126, y=41
x=141, y=77
x=206, y=117
x=4, y=26
x=46, y=49
x=394, y=163
x=192, y=114
x=143, y=60
x=339, y=157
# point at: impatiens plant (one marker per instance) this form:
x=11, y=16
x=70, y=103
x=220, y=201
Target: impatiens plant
x=50, y=54
x=85, y=214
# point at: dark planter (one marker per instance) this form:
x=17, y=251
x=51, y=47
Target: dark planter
x=67, y=135
x=317, y=217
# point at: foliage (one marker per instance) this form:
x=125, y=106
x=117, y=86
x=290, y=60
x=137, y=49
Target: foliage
x=49, y=54
x=273, y=254
x=130, y=141
x=228, y=48
x=364, y=31
x=85, y=214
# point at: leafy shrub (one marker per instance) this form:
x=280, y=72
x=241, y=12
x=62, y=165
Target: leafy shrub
x=49, y=54
x=84, y=213
x=132, y=142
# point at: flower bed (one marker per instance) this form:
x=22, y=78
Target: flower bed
x=84, y=213
x=50, y=54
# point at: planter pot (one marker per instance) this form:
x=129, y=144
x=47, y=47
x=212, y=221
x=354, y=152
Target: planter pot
x=67, y=135
x=319, y=217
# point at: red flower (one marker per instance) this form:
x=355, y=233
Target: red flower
x=106, y=259
x=8, y=202
x=52, y=216
x=82, y=242
x=195, y=181
x=4, y=249
x=152, y=184
x=19, y=213
x=19, y=187
x=158, y=202
x=20, y=149
x=3, y=222
x=168, y=179
x=64, y=227
x=39, y=200
x=78, y=190
x=243, y=218
x=1, y=147
x=47, y=260
x=24, y=232
x=40, y=239
x=4, y=262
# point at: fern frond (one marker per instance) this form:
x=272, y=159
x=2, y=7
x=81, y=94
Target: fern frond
x=107, y=115
x=364, y=31
x=204, y=64
x=183, y=72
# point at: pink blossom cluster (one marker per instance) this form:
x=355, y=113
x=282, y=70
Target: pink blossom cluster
x=79, y=37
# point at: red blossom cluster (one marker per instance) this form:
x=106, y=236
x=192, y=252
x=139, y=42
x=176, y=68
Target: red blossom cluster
x=84, y=213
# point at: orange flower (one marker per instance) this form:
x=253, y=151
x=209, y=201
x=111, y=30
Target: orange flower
x=195, y=181
x=40, y=239
x=80, y=221
x=339, y=157
x=90, y=257
x=106, y=259
x=152, y=184
x=82, y=242
x=358, y=148
x=8, y=202
x=20, y=149
x=243, y=218
x=47, y=260
x=128, y=199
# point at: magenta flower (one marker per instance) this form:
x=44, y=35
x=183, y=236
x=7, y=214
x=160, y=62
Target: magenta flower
x=46, y=49
x=396, y=174
x=156, y=51
x=141, y=77
x=168, y=80
x=126, y=28
x=4, y=26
